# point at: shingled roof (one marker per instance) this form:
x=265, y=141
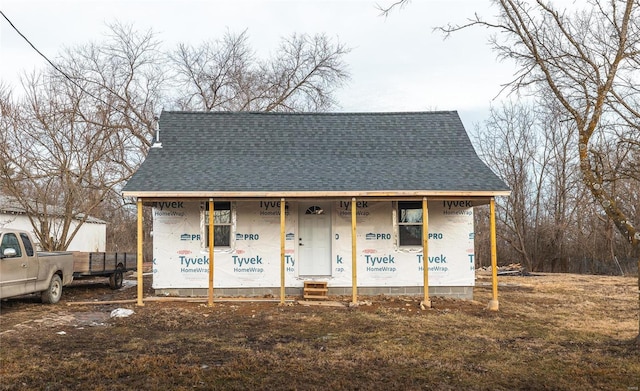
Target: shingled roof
x=242, y=154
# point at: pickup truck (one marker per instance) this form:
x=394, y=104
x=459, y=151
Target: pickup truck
x=24, y=271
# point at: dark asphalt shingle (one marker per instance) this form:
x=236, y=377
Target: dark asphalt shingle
x=285, y=152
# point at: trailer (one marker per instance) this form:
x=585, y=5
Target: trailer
x=102, y=264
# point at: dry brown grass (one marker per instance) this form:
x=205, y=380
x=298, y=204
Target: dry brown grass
x=553, y=332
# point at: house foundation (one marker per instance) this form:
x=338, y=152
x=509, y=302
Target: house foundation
x=453, y=292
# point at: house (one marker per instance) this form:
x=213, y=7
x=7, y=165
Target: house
x=91, y=236
x=292, y=198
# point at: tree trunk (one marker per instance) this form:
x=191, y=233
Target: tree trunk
x=638, y=337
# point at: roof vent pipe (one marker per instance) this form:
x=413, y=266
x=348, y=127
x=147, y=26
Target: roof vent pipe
x=156, y=139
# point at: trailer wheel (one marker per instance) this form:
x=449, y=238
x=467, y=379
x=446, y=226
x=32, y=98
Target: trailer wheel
x=54, y=292
x=115, y=280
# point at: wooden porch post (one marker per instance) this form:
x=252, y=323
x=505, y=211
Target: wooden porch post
x=139, y=255
x=354, y=273
x=211, y=247
x=282, y=244
x=426, y=303
x=493, y=303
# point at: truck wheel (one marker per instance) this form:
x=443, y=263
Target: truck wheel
x=115, y=280
x=53, y=294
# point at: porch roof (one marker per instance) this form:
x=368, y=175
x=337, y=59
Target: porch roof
x=245, y=154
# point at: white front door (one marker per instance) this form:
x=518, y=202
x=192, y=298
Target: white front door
x=314, y=239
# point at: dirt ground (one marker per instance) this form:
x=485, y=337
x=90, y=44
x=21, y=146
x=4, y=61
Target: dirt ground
x=553, y=332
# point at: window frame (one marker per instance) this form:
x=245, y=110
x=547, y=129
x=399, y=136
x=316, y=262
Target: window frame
x=403, y=225
x=218, y=206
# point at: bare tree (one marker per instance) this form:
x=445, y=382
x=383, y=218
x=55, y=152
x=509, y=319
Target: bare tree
x=225, y=75
x=549, y=221
x=55, y=164
x=561, y=196
x=589, y=58
x=589, y=61
x=509, y=143
x=7, y=112
x=124, y=79
x=73, y=138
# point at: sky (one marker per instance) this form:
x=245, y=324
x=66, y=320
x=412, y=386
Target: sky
x=397, y=63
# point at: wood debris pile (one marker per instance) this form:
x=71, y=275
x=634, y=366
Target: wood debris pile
x=510, y=269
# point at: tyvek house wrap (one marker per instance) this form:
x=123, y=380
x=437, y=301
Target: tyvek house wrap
x=181, y=259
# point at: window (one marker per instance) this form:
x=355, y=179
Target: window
x=10, y=240
x=410, y=223
x=221, y=224
x=28, y=247
x=314, y=210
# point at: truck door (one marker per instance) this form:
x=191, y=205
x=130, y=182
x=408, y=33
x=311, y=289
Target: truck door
x=13, y=269
x=30, y=258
